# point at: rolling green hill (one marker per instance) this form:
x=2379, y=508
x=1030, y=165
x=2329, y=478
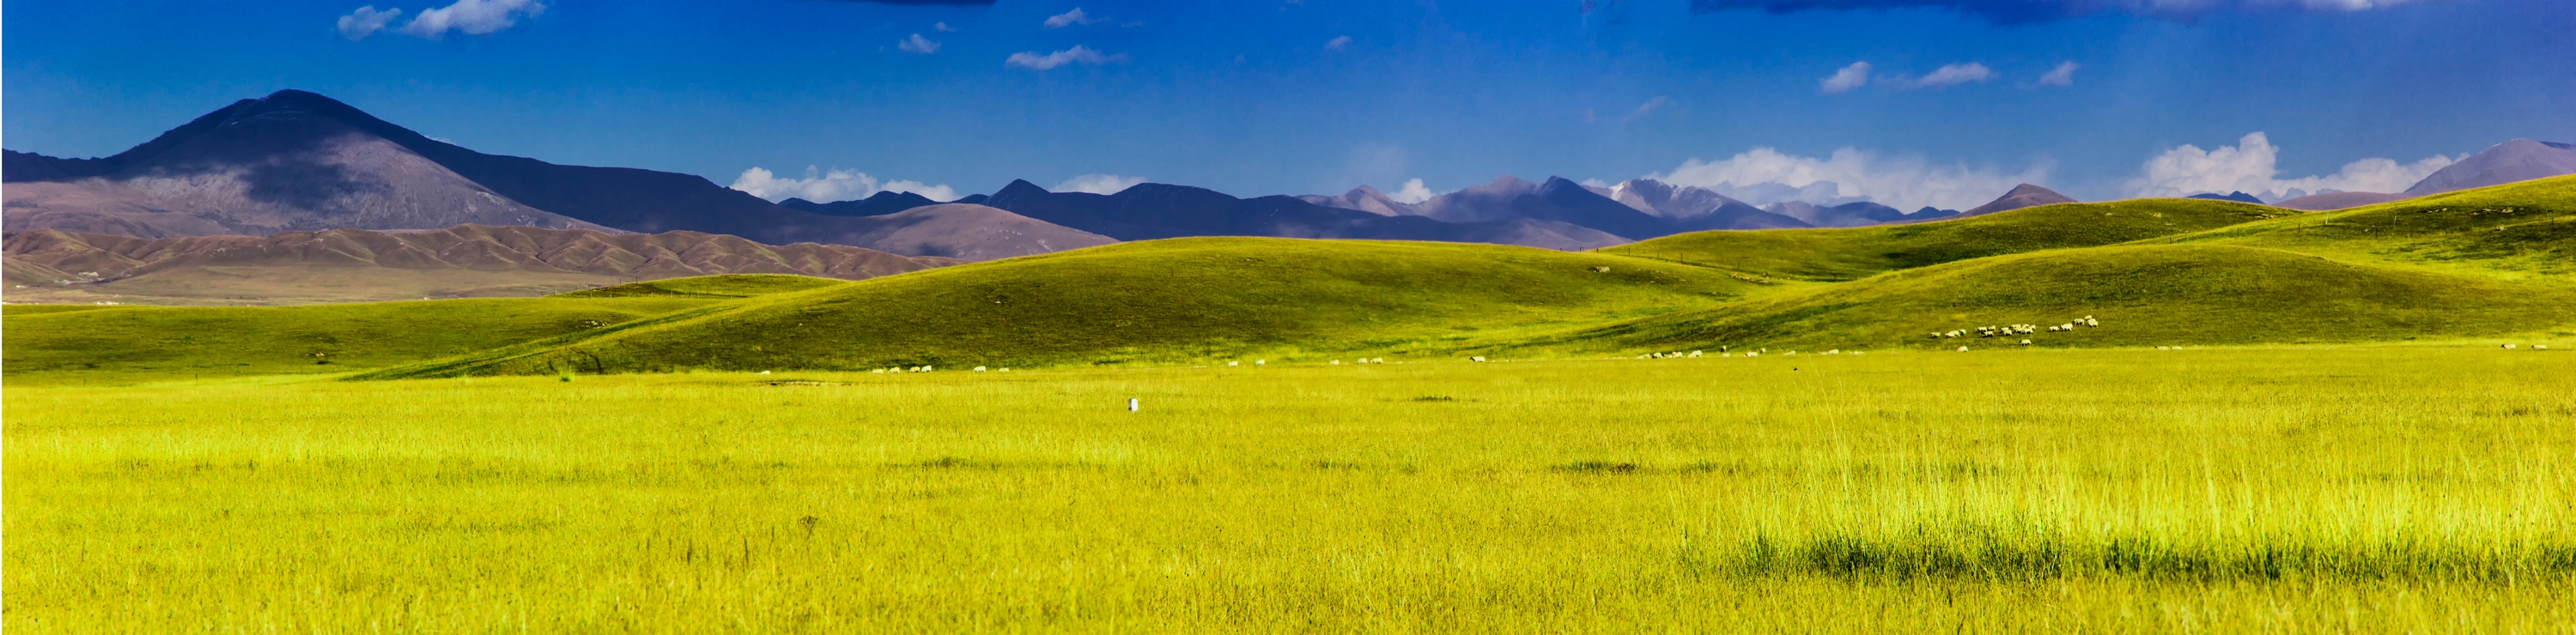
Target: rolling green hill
x=1193, y=300
x=2143, y=295
x=2519, y=231
x=120, y=343
x=1859, y=252
x=2491, y=263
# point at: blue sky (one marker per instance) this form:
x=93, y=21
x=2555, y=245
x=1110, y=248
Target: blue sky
x=1267, y=97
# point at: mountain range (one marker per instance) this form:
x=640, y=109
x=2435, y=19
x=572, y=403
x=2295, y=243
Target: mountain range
x=296, y=161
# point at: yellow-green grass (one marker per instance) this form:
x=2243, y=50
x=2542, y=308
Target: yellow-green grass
x=742, y=285
x=2388, y=489
x=2520, y=231
x=125, y=344
x=2140, y=295
x=1859, y=252
x=1197, y=300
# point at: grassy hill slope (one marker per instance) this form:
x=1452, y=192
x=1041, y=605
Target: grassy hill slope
x=1173, y=301
x=118, y=343
x=1859, y=252
x=2143, y=295
x=2522, y=230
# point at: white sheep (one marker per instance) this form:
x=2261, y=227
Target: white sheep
x=1694, y=354
x=1260, y=362
x=1475, y=359
x=1233, y=364
x=1963, y=349
x=2025, y=342
x=879, y=371
x=1336, y=363
x=2508, y=347
x=979, y=369
x=2540, y=347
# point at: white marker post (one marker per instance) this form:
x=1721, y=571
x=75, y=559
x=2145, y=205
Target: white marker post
x=1131, y=404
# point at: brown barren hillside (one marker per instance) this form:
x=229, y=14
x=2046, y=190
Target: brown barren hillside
x=349, y=265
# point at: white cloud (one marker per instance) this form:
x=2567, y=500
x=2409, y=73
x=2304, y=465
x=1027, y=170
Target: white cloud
x=1097, y=183
x=474, y=17
x=1338, y=43
x=1412, y=192
x=1850, y=77
x=943, y=27
x=2251, y=166
x=1070, y=18
x=1955, y=74
x=2063, y=75
x=366, y=21
x=1651, y=105
x=836, y=185
x=1763, y=176
x=918, y=44
x=1076, y=55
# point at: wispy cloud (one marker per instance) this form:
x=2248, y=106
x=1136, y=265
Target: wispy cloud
x=826, y=187
x=472, y=17
x=2063, y=75
x=1338, y=43
x=1850, y=77
x=943, y=27
x=1658, y=103
x=1097, y=183
x=918, y=44
x=2252, y=166
x=1076, y=55
x=1071, y=18
x=366, y=21
x=1763, y=176
x=2027, y=11
x=1955, y=74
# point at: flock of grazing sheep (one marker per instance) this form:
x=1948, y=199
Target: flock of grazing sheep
x=2017, y=329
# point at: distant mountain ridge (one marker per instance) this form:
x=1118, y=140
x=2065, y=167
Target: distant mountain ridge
x=358, y=265
x=2508, y=162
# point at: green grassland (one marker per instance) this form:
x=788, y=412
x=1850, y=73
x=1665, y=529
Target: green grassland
x=1171, y=301
x=2335, y=444
x=91, y=343
x=2367, y=489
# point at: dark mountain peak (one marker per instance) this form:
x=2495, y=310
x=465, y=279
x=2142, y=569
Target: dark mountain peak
x=1020, y=187
x=2024, y=195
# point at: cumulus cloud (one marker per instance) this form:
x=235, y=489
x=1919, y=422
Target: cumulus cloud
x=2251, y=166
x=1070, y=18
x=473, y=17
x=1850, y=77
x=1338, y=43
x=1763, y=176
x=1412, y=192
x=1076, y=55
x=1651, y=105
x=1097, y=183
x=2027, y=11
x=918, y=44
x=836, y=185
x=366, y=21
x=2063, y=75
x=1955, y=74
